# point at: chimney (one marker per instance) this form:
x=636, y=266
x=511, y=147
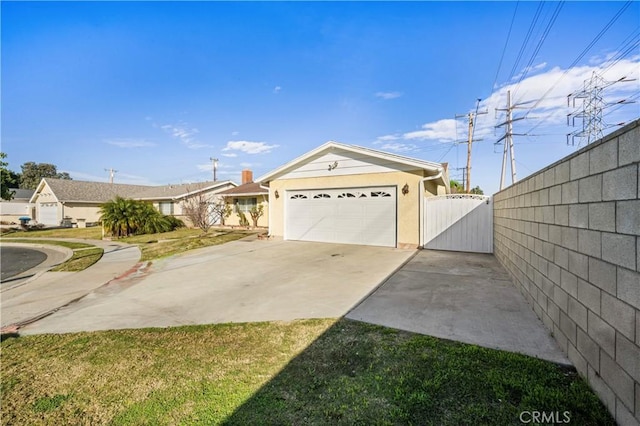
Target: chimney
x=247, y=176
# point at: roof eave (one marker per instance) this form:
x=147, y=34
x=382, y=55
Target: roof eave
x=419, y=164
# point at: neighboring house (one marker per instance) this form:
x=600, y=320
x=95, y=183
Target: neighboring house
x=347, y=194
x=245, y=197
x=65, y=202
x=19, y=206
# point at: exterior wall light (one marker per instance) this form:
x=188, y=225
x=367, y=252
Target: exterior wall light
x=405, y=189
x=276, y=194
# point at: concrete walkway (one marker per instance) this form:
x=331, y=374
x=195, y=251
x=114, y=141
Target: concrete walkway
x=240, y=281
x=467, y=297
x=40, y=293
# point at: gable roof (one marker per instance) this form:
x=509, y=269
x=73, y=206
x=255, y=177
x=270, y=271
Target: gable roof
x=333, y=146
x=179, y=191
x=20, y=194
x=253, y=188
x=100, y=192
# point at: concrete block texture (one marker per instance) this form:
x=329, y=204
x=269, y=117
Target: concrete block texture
x=555, y=195
x=629, y=147
x=603, y=275
x=570, y=192
x=602, y=389
x=628, y=356
x=589, y=295
x=579, y=215
x=579, y=265
x=618, y=314
x=578, y=313
x=563, y=171
x=589, y=349
x=579, y=166
x=620, y=184
x=569, y=282
x=602, y=333
x=590, y=189
x=602, y=216
x=590, y=242
x=628, y=287
x=619, y=381
x=603, y=157
x=561, y=215
x=628, y=217
x=619, y=249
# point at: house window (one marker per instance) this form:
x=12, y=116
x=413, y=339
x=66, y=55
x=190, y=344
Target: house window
x=245, y=204
x=166, y=207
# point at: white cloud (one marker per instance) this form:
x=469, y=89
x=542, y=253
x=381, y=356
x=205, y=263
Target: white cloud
x=441, y=130
x=230, y=155
x=388, y=95
x=277, y=89
x=185, y=134
x=399, y=147
x=387, y=138
x=249, y=147
x=129, y=143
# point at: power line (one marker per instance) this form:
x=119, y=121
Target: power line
x=504, y=49
x=526, y=39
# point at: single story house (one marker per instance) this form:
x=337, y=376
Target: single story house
x=19, y=206
x=63, y=201
x=245, y=197
x=348, y=194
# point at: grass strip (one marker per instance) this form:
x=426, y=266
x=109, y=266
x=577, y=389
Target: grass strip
x=81, y=260
x=301, y=372
x=68, y=244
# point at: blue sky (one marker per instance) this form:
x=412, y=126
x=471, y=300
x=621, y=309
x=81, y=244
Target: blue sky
x=154, y=89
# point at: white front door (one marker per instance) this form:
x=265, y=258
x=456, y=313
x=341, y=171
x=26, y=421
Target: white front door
x=364, y=216
x=48, y=214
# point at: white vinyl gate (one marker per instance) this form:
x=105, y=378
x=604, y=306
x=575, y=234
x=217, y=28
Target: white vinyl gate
x=459, y=222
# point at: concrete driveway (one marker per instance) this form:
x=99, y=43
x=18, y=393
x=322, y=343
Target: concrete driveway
x=235, y=282
x=467, y=297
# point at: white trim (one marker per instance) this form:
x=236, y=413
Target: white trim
x=419, y=164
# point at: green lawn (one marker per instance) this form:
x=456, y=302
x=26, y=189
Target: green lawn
x=152, y=246
x=302, y=372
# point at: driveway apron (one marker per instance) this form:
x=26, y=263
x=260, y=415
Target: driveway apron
x=241, y=281
x=466, y=297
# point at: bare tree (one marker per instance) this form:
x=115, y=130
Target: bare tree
x=221, y=210
x=256, y=213
x=198, y=209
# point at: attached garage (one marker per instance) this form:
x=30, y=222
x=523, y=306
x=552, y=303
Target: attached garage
x=341, y=193
x=361, y=215
x=48, y=214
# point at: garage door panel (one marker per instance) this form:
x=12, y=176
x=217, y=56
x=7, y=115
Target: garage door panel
x=350, y=216
x=48, y=214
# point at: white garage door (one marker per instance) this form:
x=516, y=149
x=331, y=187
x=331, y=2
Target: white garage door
x=48, y=214
x=364, y=216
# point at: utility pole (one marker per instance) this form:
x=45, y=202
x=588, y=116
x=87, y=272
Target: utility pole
x=111, y=173
x=508, y=140
x=214, y=162
x=471, y=117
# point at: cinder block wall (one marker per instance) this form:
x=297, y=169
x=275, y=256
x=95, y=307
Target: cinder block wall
x=569, y=237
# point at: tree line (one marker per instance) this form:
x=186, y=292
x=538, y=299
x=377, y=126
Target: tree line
x=30, y=176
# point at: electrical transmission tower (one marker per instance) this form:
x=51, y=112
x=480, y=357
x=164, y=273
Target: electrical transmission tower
x=509, y=150
x=590, y=113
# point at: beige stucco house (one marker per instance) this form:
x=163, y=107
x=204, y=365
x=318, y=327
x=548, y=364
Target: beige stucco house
x=348, y=194
x=73, y=202
x=244, y=197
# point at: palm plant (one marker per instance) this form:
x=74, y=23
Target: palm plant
x=122, y=217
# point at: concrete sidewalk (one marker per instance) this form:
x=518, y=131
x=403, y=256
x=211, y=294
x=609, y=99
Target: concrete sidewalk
x=45, y=292
x=467, y=297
